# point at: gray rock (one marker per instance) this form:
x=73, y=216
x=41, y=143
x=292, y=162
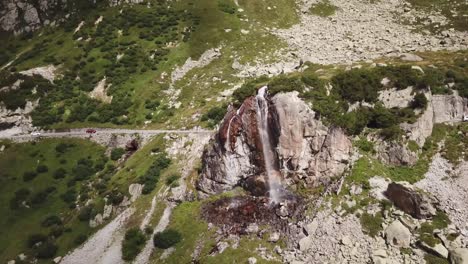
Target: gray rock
x=459, y=256
x=398, y=235
x=135, y=190
x=252, y=260
x=305, y=243
x=438, y=249
x=274, y=237
x=410, y=57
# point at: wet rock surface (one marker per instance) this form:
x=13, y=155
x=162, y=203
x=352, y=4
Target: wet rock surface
x=238, y=215
x=304, y=148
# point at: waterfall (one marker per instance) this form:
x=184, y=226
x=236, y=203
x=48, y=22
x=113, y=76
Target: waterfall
x=274, y=181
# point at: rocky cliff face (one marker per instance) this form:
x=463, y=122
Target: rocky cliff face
x=25, y=16
x=304, y=148
x=440, y=109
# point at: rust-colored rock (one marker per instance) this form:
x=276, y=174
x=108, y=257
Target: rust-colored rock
x=405, y=199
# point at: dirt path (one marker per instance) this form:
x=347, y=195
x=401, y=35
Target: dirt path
x=104, y=245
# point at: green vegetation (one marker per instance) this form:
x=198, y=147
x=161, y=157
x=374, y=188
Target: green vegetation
x=166, y=238
x=151, y=177
x=371, y=225
x=323, y=9
x=456, y=11
x=214, y=115
x=431, y=259
x=42, y=209
x=133, y=243
x=365, y=145
x=117, y=153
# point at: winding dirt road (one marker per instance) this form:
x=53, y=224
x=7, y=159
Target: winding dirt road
x=104, y=131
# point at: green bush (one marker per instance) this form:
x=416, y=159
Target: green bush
x=133, y=243
x=357, y=85
x=381, y=117
x=29, y=176
x=419, y=101
x=227, y=6
x=214, y=115
x=285, y=84
x=51, y=220
x=167, y=238
x=86, y=213
x=46, y=250
x=36, y=238
x=151, y=176
x=60, y=173
x=80, y=239
x=42, y=168
x=402, y=76
x=391, y=133
x=365, y=145
x=172, y=180
x=117, y=153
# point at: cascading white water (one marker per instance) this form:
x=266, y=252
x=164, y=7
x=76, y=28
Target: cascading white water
x=274, y=181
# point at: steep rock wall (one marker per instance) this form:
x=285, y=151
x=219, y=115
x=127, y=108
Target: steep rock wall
x=304, y=147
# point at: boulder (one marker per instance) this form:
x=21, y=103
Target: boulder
x=135, y=190
x=305, y=243
x=274, y=237
x=438, y=249
x=398, y=235
x=405, y=199
x=410, y=57
x=459, y=256
x=252, y=260
x=379, y=256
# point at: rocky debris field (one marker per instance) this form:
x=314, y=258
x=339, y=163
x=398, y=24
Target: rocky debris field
x=360, y=31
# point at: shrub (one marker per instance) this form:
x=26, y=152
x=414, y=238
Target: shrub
x=365, y=145
x=371, y=224
x=391, y=133
x=133, y=243
x=86, y=213
x=46, y=250
x=29, y=175
x=117, y=153
x=36, y=238
x=51, y=220
x=402, y=76
x=80, y=239
x=285, y=84
x=166, y=239
x=354, y=122
x=172, y=180
x=419, y=101
x=39, y=197
x=357, y=85
x=69, y=196
x=151, y=176
x=215, y=114
x=42, y=169
x=60, y=173
x=381, y=117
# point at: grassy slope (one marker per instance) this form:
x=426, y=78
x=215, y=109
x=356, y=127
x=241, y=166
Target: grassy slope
x=17, y=225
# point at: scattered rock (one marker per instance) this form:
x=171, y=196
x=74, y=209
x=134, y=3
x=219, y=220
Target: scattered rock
x=135, y=190
x=305, y=243
x=398, y=235
x=274, y=237
x=438, y=249
x=410, y=57
x=459, y=256
x=57, y=259
x=252, y=260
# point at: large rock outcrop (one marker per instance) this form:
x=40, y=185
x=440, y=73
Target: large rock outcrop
x=304, y=147
x=440, y=109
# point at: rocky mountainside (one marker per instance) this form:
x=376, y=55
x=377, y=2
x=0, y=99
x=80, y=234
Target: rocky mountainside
x=233, y=131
